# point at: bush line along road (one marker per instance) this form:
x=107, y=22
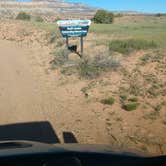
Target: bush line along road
x=114, y=95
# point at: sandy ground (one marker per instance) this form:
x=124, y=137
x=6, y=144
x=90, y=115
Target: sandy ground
x=31, y=93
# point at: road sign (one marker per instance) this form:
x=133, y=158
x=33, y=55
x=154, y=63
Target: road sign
x=74, y=28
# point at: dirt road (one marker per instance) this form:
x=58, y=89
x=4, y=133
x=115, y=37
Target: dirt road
x=19, y=91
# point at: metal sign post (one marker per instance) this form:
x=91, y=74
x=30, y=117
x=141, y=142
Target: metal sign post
x=74, y=28
x=82, y=45
x=67, y=41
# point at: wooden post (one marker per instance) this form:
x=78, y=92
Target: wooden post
x=82, y=45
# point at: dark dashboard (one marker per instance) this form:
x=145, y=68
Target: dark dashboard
x=22, y=153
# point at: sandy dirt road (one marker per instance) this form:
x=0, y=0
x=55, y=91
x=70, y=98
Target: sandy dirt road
x=22, y=98
x=19, y=89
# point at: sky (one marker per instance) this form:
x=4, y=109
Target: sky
x=149, y=6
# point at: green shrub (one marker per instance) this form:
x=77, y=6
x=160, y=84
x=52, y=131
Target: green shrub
x=103, y=17
x=23, y=16
x=109, y=101
x=39, y=19
x=109, y=18
x=130, y=106
x=126, y=46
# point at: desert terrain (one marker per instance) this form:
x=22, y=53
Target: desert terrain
x=111, y=96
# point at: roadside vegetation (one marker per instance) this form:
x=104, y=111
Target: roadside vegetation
x=87, y=67
x=91, y=68
x=23, y=16
x=39, y=19
x=129, y=45
x=129, y=104
x=108, y=101
x=103, y=17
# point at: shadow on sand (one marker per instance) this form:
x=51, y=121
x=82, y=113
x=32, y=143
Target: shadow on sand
x=34, y=131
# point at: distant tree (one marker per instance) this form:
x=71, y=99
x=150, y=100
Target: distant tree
x=158, y=15
x=39, y=19
x=23, y=16
x=99, y=16
x=103, y=17
x=109, y=18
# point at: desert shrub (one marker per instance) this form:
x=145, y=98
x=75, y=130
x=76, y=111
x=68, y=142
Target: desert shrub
x=86, y=67
x=39, y=19
x=108, y=101
x=126, y=46
x=130, y=106
x=59, y=57
x=23, y=16
x=103, y=17
x=92, y=67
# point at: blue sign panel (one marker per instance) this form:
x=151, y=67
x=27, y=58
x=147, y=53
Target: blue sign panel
x=74, y=28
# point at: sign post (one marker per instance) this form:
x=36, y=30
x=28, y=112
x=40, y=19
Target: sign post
x=67, y=41
x=74, y=28
x=82, y=45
